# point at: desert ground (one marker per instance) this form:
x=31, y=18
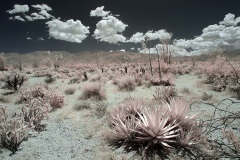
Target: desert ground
x=80, y=93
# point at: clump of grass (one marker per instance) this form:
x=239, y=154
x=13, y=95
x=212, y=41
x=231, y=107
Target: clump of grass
x=70, y=91
x=126, y=83
x=3, y=99
x=93, y=90
x=50, y=79
x=185, y=90
x=74, y=80
x=206, y=96
x=82, y=105
x=101, y=109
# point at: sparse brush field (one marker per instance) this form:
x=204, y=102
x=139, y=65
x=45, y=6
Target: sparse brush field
x=113, y=107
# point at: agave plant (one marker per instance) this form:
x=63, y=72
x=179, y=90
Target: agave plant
x=122, y=131
x=190, y=136
x=154, y=127
x=179, y=109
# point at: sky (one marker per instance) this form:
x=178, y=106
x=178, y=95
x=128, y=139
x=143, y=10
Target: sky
x=88, y=25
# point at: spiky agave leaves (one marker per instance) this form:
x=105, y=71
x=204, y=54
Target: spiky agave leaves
x=122, y=130
x=154, y=127
x=179, y=110
x=157, y=128
x=123, y=120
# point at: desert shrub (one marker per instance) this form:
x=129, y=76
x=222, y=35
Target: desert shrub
x=70, y=91
x=165, y=93
x=74, y=80
x=185, y=90
x=27, y=94
x=167, y=79
x=35, y=112
x=100, y=109
x=50, y=79
x=126, y=83
x=3, y=99
x=93, y=90
x=13, y=132
x=82, y=105
x=95, y=77
x=2, y=62
x=15, y=80
x=56, y=100
x=156, y=129
x=35, y=64
x=206, y=96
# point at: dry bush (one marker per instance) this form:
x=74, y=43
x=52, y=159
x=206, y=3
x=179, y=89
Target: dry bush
x=82, y=105
x=185, y=90
x=165, y=93
x=206, y=96
x=3, y=99
x=70, y=91
x=50, y=79
x=126, y=83
x=2, y=62
x=74, y=80
x=13, y=132
x=93, y=90
x=56, y=100
x=222, y=141
x=95, y=77
x=100, y=109
x=27, y=94
x=15, y=80
x=35, y=112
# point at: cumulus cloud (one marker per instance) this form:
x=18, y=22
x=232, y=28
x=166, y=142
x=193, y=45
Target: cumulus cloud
x=71, y=31
x=225, y=35
x=29, y=38
x=19, y=18
x=18, y=9
x=109, y=30
x=160, y=34
x=157, y=35
x=42, y=7
x=230, y=20
x=99, y=12
x=41, y=15
x=136, y=38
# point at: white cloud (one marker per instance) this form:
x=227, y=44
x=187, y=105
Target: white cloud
x=157, y=35
x=42, y=7
x=109, y=29
x=29, y=38
x=230, y=20
x=36, y=16
x=19, y=9
x=136, y=38
x=45, y=14
x=40, y=39
x=99, y=12
x=41, y=15
x=19, y=18
x=122, y=50
x=226, y=36
x=160, y=34
x=71, y=31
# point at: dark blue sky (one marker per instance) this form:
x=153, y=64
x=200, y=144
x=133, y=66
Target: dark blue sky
x=184, y=18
